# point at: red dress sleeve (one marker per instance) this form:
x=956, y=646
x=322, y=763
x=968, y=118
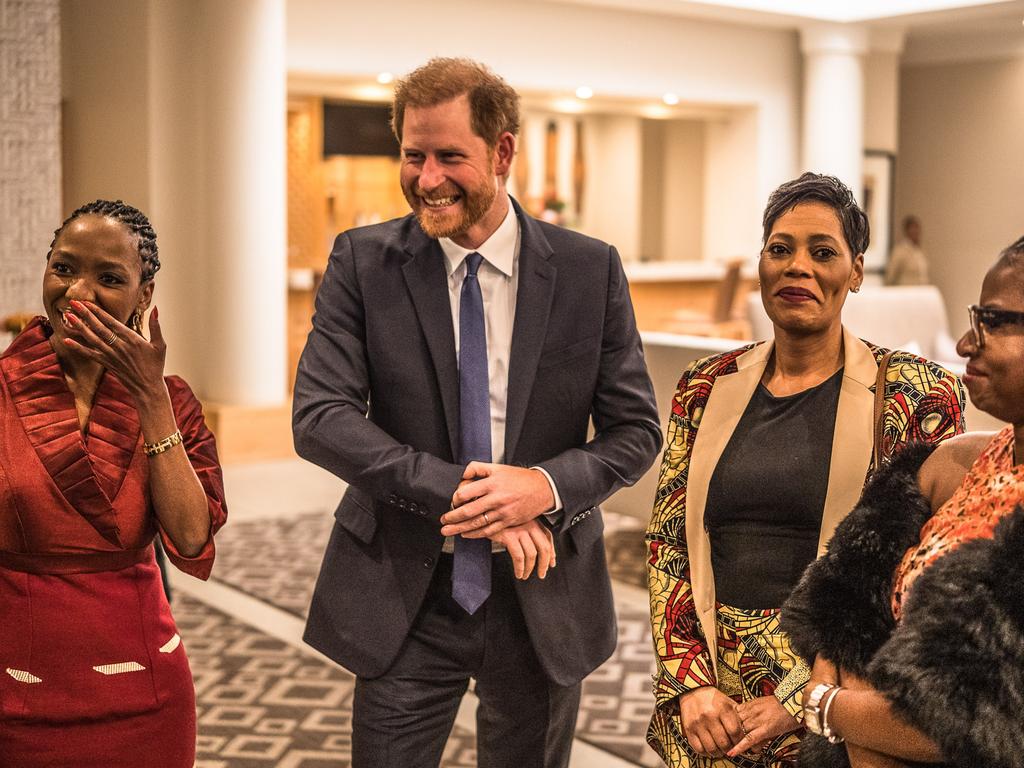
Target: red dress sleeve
x=201, y=448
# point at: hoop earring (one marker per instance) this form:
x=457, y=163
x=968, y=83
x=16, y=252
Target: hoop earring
x=135, y=321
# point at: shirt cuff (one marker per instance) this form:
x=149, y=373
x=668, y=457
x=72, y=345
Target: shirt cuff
x=555, y=514
x=789, y=692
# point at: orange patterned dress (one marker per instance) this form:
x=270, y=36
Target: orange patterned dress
x=992, y=489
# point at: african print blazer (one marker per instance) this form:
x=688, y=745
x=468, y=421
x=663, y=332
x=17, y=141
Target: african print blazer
x=923, y=402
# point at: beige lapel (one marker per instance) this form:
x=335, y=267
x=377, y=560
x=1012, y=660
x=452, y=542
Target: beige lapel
x=852, y=440
x=726, y=403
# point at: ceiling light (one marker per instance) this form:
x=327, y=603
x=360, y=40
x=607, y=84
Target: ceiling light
x=584, y=92
x=385, y=77
x=671, y=99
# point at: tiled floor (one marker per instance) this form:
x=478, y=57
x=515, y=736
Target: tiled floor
x=267, y=699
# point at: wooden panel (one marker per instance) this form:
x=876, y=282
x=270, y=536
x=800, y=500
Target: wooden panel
x=685, y=306
x=361, y=190
x=307, y=209
x=251, y=434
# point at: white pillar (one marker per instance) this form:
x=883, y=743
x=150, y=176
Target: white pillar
x=882, y=89
x=245, y=205
x=534, y=131
x=833, y=108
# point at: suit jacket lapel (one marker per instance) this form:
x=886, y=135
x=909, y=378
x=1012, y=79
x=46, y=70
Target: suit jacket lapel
x=533, y=305
x=427, y=280
x=853, y=436
x=726, y=403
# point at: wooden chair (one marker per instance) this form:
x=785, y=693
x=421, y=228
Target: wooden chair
x=720, y=320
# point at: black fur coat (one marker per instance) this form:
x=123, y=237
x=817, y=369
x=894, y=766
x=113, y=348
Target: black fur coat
x=954, y=666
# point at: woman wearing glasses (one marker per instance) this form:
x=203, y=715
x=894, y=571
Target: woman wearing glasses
x=915, y=617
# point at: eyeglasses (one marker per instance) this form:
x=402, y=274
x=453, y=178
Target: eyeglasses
x=987, y=318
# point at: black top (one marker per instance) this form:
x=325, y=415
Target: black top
x=767, y=494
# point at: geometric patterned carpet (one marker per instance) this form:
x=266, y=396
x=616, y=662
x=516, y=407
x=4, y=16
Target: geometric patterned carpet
x=277, y=561
x=262, y=702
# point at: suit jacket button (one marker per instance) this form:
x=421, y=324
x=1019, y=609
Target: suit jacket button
x=428, y=562
x=392, y=499
x=414, y=507
x=403, y=504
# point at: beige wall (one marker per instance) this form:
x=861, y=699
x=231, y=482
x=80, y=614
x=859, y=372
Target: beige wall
x=961, y=168
x=673, y=190
x=683, y=220
x=106, y=111
x=732, y=207
x=614, y=157
x=881, y=100
x=653, y=171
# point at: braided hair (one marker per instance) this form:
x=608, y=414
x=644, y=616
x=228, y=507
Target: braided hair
x=131, y=217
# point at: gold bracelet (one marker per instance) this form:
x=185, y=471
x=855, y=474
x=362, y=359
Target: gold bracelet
x=152, y=449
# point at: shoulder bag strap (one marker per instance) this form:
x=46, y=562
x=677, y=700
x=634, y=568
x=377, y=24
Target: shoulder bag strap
x=876, y=445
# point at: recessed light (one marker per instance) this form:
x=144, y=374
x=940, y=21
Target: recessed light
x=671, y=99
x=584, y=92
x=385, y=77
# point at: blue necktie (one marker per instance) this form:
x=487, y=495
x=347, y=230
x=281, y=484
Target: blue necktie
x=471, y=569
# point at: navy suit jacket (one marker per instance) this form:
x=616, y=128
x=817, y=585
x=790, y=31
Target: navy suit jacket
x=377, y=403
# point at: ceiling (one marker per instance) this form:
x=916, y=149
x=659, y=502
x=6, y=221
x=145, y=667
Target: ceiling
x=796, y=12
x=933, y=31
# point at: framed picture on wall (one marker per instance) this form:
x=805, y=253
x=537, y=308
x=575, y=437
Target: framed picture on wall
x=878, y=203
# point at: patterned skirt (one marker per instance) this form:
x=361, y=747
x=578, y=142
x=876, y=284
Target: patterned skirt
x=754, y=659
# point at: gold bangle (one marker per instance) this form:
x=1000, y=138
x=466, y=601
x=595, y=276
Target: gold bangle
x=152, y=449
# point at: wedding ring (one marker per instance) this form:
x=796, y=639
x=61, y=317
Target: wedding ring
x=486, y=521
x=113, y=338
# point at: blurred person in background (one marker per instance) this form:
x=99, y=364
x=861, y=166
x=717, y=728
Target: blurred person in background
x=907, y=263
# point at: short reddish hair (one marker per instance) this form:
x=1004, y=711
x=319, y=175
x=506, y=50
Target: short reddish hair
x=493, y=103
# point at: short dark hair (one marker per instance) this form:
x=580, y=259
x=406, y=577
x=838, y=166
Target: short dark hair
x=1012, y=255
x=825, y=189
x=493, y=103
x=132, y=218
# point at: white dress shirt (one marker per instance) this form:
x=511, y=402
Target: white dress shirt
x=498, y=276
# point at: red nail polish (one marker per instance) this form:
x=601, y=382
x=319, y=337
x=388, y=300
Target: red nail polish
x=70, y=318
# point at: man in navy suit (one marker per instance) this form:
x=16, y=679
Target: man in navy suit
x=457, y=358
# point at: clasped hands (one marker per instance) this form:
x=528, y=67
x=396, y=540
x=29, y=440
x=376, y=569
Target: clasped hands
x=716, y=725
x=502, y=503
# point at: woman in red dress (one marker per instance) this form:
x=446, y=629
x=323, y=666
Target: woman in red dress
x=99, y=453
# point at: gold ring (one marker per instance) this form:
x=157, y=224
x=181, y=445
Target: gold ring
x=112, y=339
x=486, y=521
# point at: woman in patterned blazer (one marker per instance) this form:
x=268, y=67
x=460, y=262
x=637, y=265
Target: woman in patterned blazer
x=768, y=448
